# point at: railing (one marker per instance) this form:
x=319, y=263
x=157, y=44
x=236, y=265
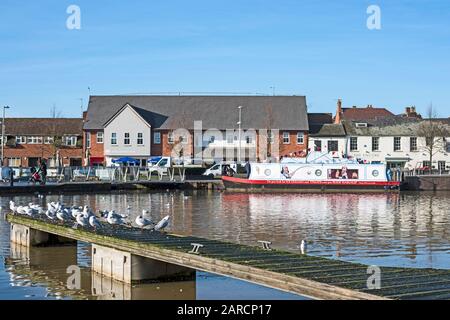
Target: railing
x=106, y=174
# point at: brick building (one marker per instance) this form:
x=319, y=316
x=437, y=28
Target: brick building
x=57, y=140
x=144, y=126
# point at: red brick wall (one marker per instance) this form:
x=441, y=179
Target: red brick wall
x=96, y=149
x=287, y=149
x=41, y=151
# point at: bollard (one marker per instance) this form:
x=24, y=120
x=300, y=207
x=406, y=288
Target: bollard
x=11, y=177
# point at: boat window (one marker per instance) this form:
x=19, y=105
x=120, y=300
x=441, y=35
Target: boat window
x=375, y=173
x=318, y=172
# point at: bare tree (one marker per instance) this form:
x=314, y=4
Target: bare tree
x=435, y=133
x=55, y=136
x=269, y=126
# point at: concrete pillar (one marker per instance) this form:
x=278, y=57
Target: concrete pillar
x=129, y=268
x=26, y=236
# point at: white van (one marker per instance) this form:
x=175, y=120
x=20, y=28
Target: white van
x=217, y=169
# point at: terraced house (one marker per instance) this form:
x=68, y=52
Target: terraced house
x=57, y=140
x=144, y=126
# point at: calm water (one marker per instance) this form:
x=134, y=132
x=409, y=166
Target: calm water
x=411, y=230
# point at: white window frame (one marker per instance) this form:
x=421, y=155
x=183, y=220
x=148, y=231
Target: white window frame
x=354, y=146
x=270, y=136
x=14, y=161
x=88, y=140
x=170, y=139
x=286, y=137
x=20, y=139
x=300, y=137
x=377, y=139
x=113, y=138
x=140, y=136
x=47, y=140
x=34, y=140
x=126, y=136
x=100, y=137
x=70, y=141
x=411, y=144
x=157, y=137
x=397, y=147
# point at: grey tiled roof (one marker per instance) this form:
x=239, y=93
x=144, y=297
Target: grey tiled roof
x=220, y=112
x=43, y=126
x=327, y=130
x=391, y=126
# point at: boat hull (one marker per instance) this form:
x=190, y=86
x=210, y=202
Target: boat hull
x=240, y=184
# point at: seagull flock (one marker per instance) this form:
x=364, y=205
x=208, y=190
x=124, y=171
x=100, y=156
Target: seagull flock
x=85, y=217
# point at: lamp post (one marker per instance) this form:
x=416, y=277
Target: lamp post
x=3, y=132
x=239, y=133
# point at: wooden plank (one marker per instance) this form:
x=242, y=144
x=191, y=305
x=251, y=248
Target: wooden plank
x=271, y=279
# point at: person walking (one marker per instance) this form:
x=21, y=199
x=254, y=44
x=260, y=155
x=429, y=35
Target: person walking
x=43, y=170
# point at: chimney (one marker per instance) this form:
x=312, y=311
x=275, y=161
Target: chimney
x=338, y=117
x=408, y=111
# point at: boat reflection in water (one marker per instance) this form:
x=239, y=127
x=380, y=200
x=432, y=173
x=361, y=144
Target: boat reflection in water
x=46, y=268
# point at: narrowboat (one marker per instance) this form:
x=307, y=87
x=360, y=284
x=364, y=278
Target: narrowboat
x=320, y=175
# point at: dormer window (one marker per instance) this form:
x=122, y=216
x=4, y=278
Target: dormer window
x=361, y=125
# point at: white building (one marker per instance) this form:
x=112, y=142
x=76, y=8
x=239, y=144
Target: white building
x=127, y=134
x=394, y=141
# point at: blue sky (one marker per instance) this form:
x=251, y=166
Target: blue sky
x=318, y=48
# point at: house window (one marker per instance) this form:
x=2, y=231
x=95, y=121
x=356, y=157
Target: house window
x=248, y=139
x=426, y=164
x=353, y=143
x=88, y=140
x=20, y=140
x=270, y=136
x=447, y=145
x=332, y=146
x=100, y=137
x=300, y=137
x=413, y=144
x=397, y=143
x=71, y=141
x=428, y=141
x=375, y=143
x=230, y=138
x=170, y=137
x=157, y=138
x=140, y=139
x=286, y=138
x=126, y=138
x=34, y=140
x=441, y=166
x=113, y=138
x=49, y=140
x=14, y=162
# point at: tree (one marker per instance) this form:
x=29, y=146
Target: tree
x=269, y=126
x=434, y=132
x=56, y=137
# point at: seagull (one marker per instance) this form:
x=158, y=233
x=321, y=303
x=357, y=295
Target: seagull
x=142, y=222
x=93, y=221
x=303, y=247
x=62, y=215
x=87, y=212
x=50, y=215
x=82, y=220
x=114, y=218
x=162, y=224
x=75, y=211
x=12, y=206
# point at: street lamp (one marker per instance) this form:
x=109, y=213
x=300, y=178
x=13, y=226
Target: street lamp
x=239, y=132
x=3, y=132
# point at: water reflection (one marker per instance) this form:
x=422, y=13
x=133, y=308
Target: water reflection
x=408, y=229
